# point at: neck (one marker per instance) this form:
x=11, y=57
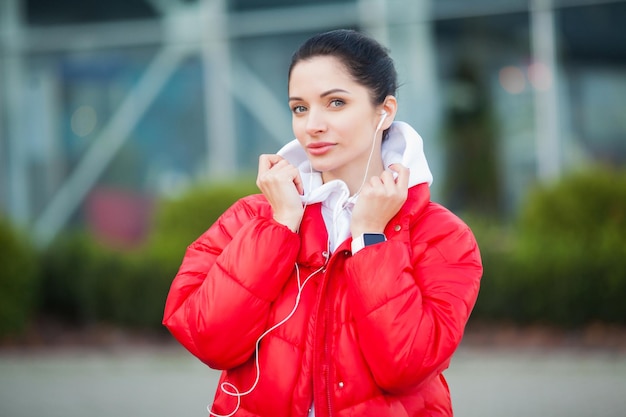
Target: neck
x=356, y=177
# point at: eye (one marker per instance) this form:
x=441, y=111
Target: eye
x=337, y=102
x=298, y=109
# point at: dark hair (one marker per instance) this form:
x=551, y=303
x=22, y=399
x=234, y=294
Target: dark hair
x=365, y=59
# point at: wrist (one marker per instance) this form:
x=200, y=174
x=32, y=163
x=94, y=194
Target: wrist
x=358, y=230
x=291, y=222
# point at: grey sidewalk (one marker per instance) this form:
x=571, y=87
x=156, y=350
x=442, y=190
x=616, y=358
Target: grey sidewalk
x=169, y=382
x=524, y=383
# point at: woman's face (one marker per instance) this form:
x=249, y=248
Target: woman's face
x=333, y=118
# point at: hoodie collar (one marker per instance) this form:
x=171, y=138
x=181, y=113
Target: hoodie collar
x=403, y=145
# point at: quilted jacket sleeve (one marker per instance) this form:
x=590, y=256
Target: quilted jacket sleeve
x=218, y=303
x=416, y=299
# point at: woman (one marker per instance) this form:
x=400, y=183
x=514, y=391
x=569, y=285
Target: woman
x=341, y=290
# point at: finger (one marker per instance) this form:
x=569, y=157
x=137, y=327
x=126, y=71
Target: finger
x=281, y=164
x=267, y=161
x=264, y=166
x=375, y=181
x=388, y=178
x=264, y=163
x=297, y=180
x=403, y=174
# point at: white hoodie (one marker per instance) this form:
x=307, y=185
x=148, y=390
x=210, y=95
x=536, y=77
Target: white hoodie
x=403, y=145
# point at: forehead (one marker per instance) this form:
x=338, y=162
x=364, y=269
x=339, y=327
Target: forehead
x=320, y=73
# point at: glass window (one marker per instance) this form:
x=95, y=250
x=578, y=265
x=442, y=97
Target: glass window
x=487, y=113
x=594, y=60
x=46, y=12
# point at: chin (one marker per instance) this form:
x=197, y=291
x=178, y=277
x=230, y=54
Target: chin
x=320, y=166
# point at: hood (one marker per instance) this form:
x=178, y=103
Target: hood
x=403, y=145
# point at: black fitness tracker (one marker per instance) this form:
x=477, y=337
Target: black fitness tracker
x=367, y=239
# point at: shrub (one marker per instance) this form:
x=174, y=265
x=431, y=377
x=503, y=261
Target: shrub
x=76, y=273
x=138, y=300
x=86, y=282
x=572, y=243
x=563, y=260
x=18, y=280
x=502, y=287
x=179, y=221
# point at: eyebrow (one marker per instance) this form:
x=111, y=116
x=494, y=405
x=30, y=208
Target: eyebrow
x=324, y=94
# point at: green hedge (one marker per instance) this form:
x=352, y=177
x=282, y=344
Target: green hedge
x=502, y=289
x=85, y=282
x=19, y=281
x=564, y=260
x=179, y=221
x=573, y=245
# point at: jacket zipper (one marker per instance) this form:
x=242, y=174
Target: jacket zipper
x=327, y=336
x=322, y=330
x=330, y=408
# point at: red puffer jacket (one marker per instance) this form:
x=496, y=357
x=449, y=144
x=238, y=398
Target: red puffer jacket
x=372, y=332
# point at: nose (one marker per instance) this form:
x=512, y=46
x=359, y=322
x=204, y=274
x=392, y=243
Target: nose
x=315, y=123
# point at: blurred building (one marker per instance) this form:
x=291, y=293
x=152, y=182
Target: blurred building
x=106, y=105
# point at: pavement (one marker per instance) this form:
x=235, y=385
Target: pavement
x=166, y=381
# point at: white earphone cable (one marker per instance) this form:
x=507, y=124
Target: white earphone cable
x=369, y=159
x=227, y=387
x=230, y=389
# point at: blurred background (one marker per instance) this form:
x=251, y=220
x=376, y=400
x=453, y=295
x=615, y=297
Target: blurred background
x=128, y=126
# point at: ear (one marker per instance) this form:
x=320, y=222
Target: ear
x=390, y=106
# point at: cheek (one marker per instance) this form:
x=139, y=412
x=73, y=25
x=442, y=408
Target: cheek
x=351, y=125
x=298, y=128
x=353, y=134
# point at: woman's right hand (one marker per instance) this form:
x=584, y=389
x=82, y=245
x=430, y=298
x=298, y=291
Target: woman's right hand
x=280, y=183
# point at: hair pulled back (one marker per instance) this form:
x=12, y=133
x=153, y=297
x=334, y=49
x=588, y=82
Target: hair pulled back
x=366, y=60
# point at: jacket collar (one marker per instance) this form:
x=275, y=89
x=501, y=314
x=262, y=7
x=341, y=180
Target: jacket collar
x=313, y=237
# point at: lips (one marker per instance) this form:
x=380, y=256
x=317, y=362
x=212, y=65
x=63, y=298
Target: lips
x=319, y=148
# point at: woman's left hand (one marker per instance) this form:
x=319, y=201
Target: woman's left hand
x=379, y=200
